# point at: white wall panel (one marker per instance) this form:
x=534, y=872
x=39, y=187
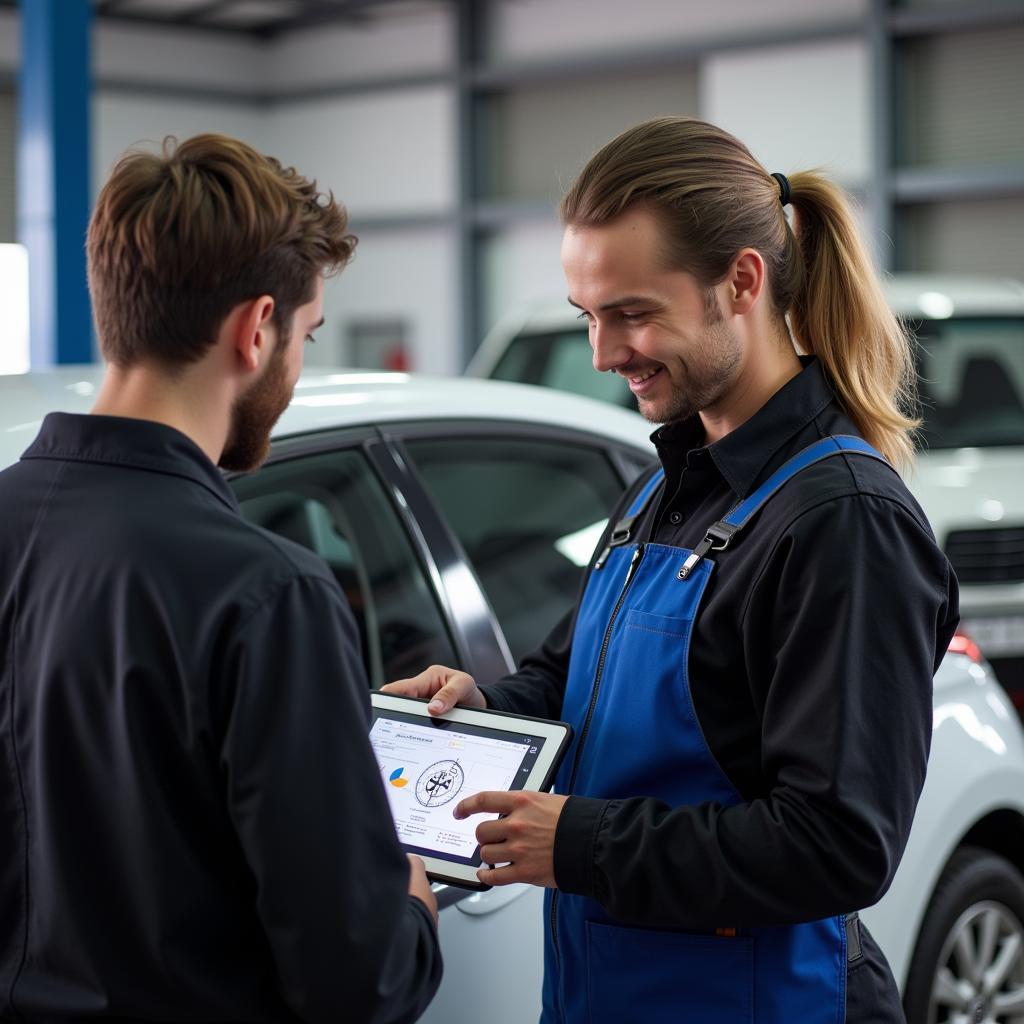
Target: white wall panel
x=526, y=30
x=381, y=46
x=521, y=265
x=178, y=57
x=388, y=153
x=408, y=276
x=796, y=107
x=120, y=121
x=540, y=137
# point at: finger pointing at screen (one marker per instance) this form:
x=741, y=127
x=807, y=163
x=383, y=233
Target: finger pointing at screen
x=522, y=841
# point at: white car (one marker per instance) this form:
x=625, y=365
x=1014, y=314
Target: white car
x=458, y=515
x=969, y=475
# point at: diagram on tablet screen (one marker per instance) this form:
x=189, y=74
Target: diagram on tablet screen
x=428, y=771
x=440, y=783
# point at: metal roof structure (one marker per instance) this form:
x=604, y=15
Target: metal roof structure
x=260, y=18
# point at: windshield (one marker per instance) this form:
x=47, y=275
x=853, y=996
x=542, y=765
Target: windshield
x=561, y=359
x=971, y=376
x=971, y=380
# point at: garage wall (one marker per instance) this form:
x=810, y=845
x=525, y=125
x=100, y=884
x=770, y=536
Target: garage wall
x=527, y=30
x=376, y=111
x=380, y=48
x=122, y=121
x=821, y=125
x=388, y=153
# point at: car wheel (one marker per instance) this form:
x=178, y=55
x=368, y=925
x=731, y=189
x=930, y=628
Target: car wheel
x=968, y=967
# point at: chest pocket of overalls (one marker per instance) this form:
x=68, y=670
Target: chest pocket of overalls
x=658, y=647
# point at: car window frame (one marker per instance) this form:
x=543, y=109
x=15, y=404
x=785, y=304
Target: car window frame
x=620, y=455
x=474, y=633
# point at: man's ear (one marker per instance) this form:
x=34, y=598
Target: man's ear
x=252, y=336
x=745, y=281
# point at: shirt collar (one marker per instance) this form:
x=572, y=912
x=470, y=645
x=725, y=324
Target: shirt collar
x=743, y=453
x=121, y=441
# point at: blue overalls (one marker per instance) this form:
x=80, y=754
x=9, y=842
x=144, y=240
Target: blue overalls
x=628, y=700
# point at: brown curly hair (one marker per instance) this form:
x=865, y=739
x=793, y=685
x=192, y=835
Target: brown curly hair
x=178, y=239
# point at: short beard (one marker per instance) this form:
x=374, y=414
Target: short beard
x=254, y=414
x=711, y=370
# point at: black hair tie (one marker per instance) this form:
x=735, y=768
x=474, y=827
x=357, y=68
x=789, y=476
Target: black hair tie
x=784, y=192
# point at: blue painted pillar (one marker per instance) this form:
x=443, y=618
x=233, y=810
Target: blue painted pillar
x=53, y=176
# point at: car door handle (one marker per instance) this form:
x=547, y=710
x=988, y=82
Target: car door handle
x=481, y=903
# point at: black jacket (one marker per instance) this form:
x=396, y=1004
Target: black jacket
x=192, y=823
x=810, y=669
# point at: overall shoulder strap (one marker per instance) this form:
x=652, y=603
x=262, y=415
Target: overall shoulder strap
x=623, y=531
x=720, y=535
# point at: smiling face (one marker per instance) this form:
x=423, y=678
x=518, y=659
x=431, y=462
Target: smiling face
x=660, y=329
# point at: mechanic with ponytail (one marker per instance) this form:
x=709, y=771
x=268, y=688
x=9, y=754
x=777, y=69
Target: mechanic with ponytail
x=749, y=667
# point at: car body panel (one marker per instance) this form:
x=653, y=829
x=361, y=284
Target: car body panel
x=332, y=399
x=971, y=489
x=974, y=769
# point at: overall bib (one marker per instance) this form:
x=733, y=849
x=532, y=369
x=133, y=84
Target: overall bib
x=629, y=702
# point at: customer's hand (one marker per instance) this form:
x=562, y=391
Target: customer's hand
x=419, y=885
x=445, y=687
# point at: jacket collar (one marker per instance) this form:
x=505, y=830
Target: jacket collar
x=132, y=443
x=742, y=455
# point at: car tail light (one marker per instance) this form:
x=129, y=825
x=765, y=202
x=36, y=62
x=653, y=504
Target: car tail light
x=963, y=644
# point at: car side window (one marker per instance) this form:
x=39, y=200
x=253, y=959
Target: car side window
x=528, y=514
x=333, y=504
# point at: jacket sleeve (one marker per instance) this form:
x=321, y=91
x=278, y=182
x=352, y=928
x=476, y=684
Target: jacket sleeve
x=308, y=805
x=845, y=624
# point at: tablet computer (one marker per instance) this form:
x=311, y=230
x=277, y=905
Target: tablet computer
x=430, y=763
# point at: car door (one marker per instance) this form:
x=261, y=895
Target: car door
x=460, y=543
x=328, y=494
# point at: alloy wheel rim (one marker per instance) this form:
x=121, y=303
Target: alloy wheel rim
x=980, y=974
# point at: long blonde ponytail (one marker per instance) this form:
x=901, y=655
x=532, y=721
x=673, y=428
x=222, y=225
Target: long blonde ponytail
x=840, y=315
x=713, y=199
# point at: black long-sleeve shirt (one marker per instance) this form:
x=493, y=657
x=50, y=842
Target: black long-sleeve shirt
x=810, y=668
x=192, y=823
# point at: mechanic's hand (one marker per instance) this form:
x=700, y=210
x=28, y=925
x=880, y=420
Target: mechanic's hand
x=447, y=687
x=419, y=885
x=523, y=841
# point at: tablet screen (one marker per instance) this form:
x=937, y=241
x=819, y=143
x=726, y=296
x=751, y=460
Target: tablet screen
x=430, y=765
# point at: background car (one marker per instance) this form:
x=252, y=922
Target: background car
x=969, y=475
x=457, y=516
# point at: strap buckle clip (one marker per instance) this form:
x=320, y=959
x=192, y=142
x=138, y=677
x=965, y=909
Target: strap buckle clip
x=622, y=532
x=620, y=535
x=716, y=539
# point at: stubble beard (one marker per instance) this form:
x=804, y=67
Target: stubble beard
x=254, y=414
x=710, y=371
